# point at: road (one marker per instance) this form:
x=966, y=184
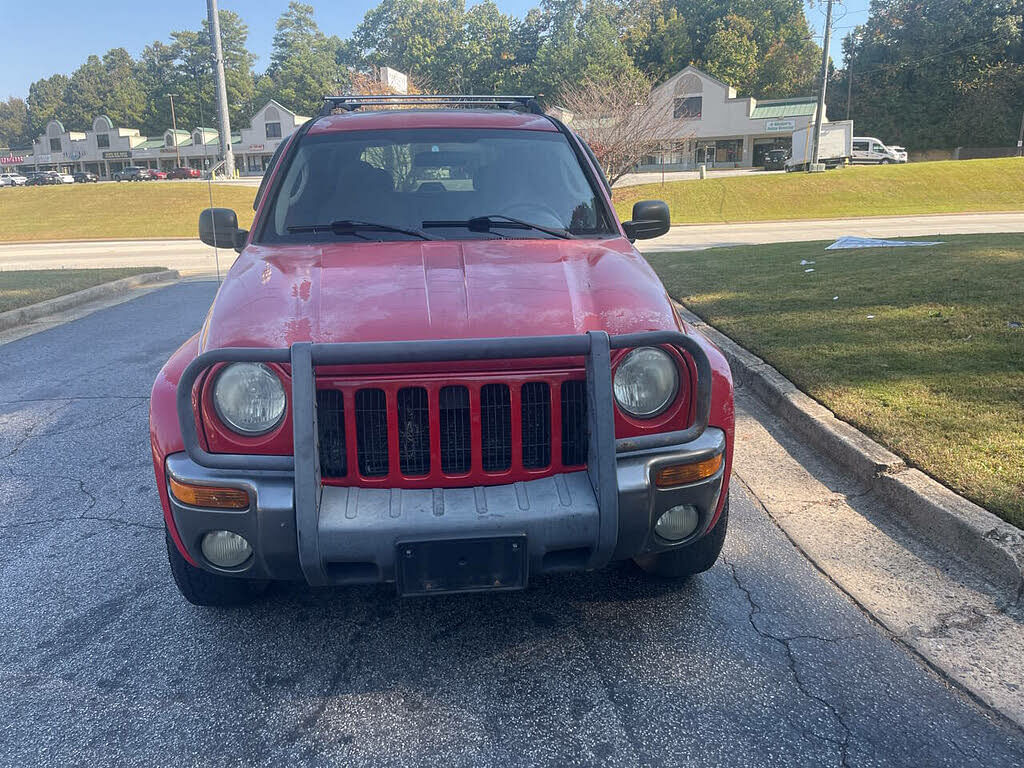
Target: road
x=689, y=237
x=190, y=257
x=759, y=662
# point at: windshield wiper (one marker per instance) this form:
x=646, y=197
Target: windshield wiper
x=485, y=223
x=348, y=227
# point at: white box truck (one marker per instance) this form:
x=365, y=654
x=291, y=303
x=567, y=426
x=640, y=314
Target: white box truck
x=836, y=145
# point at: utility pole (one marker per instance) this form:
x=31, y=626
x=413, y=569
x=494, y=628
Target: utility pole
x=174, y=127
x=222, y=91
x=816, y=147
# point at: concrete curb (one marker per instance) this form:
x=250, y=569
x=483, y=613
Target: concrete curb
x=24, y=315
x=922, y=505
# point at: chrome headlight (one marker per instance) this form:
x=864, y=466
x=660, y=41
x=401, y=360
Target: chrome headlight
x=646, y=382
x=249, y=398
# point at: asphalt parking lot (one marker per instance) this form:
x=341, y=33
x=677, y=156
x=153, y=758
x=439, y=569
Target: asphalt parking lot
x=760, y=662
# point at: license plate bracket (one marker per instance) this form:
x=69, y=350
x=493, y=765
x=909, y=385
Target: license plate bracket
x=494, y=563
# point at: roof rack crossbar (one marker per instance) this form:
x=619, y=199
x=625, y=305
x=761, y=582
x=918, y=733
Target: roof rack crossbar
x=350, y=103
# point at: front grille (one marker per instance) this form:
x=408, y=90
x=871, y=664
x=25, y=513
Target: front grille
x=372, y=432
x=456, y=441
x=474, y=426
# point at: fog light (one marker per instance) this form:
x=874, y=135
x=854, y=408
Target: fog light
x=678, y=523
x=225, y=549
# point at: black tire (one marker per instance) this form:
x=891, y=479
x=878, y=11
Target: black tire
x=886, y=161
x=201, y=587
x=692, y=559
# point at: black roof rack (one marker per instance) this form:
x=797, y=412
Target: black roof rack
x=351, y=103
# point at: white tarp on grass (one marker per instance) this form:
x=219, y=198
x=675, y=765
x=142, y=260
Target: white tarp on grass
x=872, y=242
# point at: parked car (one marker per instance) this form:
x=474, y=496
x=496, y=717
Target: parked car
x=132, y=173
x=901, y=153
x=86, y=177
x=381, y=393
x=775, y=159
x=184, y=173
x=158, y=174
x=43, y=178
x=66, y=178
x=12, y=180
x=869, y=150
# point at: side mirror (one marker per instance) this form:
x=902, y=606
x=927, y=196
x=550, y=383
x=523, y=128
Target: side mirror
x=218, y=227
x=650, y=219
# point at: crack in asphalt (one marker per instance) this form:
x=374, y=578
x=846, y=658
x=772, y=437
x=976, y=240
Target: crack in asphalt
x=755, y=608
x=30, y=432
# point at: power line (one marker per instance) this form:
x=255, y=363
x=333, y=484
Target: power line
x=940, y=54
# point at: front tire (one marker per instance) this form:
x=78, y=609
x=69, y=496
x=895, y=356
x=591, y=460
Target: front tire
x=201, y=587
x=692, y=559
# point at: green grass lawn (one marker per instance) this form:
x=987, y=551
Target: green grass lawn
x=21, y=288
x=922, y=347
x=115, y=211
x=940, y=187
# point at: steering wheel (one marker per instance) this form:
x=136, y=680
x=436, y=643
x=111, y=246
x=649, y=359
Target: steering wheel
x=534, y=212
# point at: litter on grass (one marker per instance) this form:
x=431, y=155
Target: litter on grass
x=805, y=262
x=809, y=270
x=872, y=242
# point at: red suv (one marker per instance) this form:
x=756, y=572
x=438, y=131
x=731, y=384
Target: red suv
x=438, y=361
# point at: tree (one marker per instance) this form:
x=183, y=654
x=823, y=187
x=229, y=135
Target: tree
x=47, y=100
x=616, y=117
x=304, y=64
x=929, y=75
x=15, y=128
x=420, y=37
x=487, y=49
x=731, y=52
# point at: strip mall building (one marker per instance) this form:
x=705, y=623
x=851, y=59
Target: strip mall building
x=701, y=121
x=108, y=148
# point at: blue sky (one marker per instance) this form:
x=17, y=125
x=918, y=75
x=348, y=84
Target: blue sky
x=41, y=44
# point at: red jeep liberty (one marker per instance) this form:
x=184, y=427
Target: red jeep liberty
x=438, y=361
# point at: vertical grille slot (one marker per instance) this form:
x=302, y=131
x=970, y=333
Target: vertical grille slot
x=372, y=432
x=535, y=410
x=456, y=446
x=495, y=427
x=413, y=431
x=330, y=416
x=574, y=423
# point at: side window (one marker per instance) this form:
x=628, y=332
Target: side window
x=266, y=176
x=877, y=148
x=860, y=146
x=689, y=108
x=593, y=159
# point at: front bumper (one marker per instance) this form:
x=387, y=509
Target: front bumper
x=358, y=529
x=349, y=535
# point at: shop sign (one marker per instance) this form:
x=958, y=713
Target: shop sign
x=777, y=126
x=11, y=160
x=117, y=154
x=255, y=147
x=72, y=155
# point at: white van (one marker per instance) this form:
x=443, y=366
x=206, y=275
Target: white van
x=867, y=149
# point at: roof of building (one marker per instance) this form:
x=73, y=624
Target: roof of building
x=798, y=107
x=150, y=144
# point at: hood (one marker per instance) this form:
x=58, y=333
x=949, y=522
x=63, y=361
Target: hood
x=275, y=296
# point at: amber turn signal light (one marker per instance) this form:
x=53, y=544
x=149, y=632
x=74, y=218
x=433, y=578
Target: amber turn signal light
x=209, y=496
x=681, y=474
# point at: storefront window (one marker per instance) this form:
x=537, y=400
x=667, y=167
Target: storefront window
x=729, y=151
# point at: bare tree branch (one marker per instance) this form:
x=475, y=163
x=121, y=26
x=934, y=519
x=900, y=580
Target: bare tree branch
x=617, y=118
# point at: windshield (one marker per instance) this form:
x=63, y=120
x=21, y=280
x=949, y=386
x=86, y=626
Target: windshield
x=443, y=180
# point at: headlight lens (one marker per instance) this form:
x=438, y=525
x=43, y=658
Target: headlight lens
x=249, y=398
x=646, y=382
